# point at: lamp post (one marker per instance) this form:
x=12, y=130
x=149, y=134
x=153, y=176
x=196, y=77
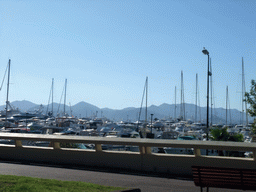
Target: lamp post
x=207, y=117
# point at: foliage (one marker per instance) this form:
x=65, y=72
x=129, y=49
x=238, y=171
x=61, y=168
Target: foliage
x=29, y=184
x=236, y=138
x=253, y=129
x=219, y=134
x=250, y=98
x=68, y=145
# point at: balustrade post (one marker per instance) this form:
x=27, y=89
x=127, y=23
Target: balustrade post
x=142, y=150
x=197, y=152
x=254, y=155
x=98, y=147
x=56, y=145
x=148, y=150
x=18, y=143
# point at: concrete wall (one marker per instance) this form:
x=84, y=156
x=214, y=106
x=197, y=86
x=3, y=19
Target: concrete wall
x=140, y=161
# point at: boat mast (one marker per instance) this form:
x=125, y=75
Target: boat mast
x=183, y=101
x=211, y=87
x=181, y=94
x=7, y=97
x=52, y=95
x=180, y=98
x=196, y=99
x=228, y=109
x=70, y=110
x=175, y=106
x=65, y=97
x=227, y=106
x=230, y=115
x=146, y=112
x=144, y=90
x=243, y=93
x=200, y=115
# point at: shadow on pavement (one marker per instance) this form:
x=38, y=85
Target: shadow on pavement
x=103, y=169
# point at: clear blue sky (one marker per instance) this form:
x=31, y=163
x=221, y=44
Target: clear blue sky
x=106, y=49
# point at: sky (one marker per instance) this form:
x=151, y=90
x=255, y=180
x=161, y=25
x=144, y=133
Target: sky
x=106, y=49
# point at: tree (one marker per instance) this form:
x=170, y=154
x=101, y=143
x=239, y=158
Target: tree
x=250, y=98
x=221, y=134
x=68, y=145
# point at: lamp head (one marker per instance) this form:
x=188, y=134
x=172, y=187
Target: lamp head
x=205, y=51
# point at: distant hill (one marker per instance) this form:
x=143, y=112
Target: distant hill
x=83, y=109
x=22, y=105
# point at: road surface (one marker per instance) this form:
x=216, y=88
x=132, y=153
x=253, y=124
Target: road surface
x=147, y=183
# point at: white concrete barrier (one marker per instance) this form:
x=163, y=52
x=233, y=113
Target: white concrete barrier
x=144, y=160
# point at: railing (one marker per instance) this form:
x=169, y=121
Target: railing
x=142, y=160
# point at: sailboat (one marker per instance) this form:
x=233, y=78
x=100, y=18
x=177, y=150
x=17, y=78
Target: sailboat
x=243, y=123
x=9, y=110
x=143, y=130
x=182, y=101
x=244, y=107
x=50, y=113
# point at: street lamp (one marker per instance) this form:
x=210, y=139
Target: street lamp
x=207, y=117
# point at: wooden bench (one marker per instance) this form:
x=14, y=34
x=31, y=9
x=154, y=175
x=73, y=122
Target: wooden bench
x=230, y=178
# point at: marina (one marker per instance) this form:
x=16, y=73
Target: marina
x=137, y=94
x=14, y=121
x=103, y=128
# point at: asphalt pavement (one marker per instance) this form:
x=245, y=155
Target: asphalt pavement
x=145, y=182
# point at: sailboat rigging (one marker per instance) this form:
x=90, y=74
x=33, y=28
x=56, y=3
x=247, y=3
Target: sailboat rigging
x=182, y=101
x=51, y=95
x=65, y=97
x=7, y=97
x=144, y=91
x=244, y=107
x=64, y=91
x=211, y=88
x=4, y=76
x=175, y=107
x=196, y=98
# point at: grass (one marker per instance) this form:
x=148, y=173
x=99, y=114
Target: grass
x=19, y=183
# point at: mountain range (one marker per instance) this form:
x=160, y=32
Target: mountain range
x=164, y=111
